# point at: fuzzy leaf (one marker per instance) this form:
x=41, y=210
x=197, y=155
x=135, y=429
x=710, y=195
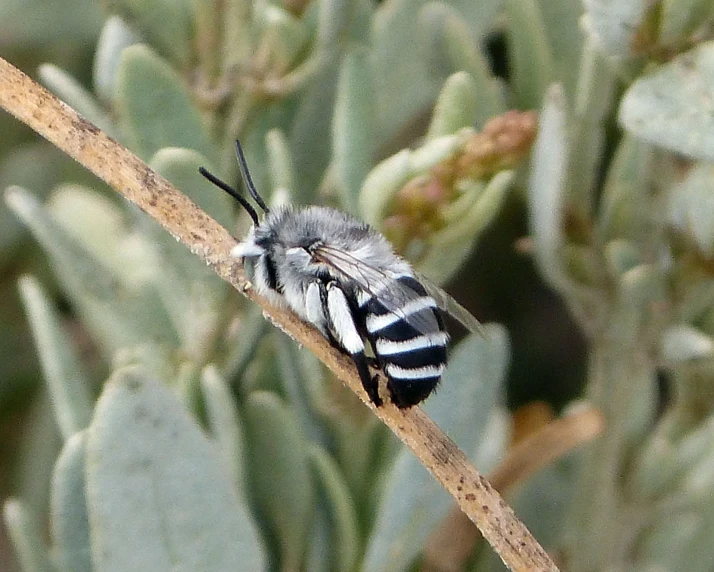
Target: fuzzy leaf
x=562, y=25
x=280, y=474
x=225, y=424
x=166, y=24
x=625, y=211
x=671, y=106
x=237, y=40
x=115, y=36
x=381, y=184
x=68, y=518
x=667, y=459
x=398, y=58
x=155, y=108
x=336, y=21
x=531, y=57
x=157, y=493
x=319, y=549
x=613, y=24
x=413, y=501
x=683, y=343
x=593, y=99
x=180, y=166
x=67, y=383
x=456, y=106
x=242, y=348
x=120, y=314
x=692, y=206
x=281, y=171
x=456, y=52
x=299, y=386
x=389, y=176
x=396, y=63
x=345, y=539
x=33, y=24
x=284, y=33
x=546, y=187
x=681, y=18
x=27, y=537
x=353, y=136
x=309, y=135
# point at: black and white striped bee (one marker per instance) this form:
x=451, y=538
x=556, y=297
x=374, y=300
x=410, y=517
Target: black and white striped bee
x=343, y=276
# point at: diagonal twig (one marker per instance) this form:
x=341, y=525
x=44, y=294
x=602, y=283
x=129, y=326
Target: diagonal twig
x=129, y=176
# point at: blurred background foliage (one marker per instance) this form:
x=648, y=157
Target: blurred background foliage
x=548, y=162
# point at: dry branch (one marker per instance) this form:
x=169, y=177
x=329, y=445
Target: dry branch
x=129, y=176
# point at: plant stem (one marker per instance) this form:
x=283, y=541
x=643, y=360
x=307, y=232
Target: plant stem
x=597, y=537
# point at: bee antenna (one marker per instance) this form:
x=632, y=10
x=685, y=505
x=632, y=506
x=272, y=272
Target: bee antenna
x=231, y=191
x=247, y=179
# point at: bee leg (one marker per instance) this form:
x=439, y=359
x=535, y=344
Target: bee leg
x=369, y=382
x=373, y=362
x=341, y=323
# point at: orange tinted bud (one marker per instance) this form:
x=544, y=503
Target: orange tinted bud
x=399, y=229
x=502, y=143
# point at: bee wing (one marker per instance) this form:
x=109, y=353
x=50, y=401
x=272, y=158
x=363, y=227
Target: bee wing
x=391, y=293
x=447, y=304
x=394, y=295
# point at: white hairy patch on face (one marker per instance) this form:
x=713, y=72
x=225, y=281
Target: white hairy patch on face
x=246, y=250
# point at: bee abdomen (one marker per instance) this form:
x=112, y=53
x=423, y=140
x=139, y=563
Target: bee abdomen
x=418, y=352
x=409, y=342
x=425, y=364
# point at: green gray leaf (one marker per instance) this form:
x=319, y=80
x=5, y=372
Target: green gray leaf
x=456, y=106
x=454, y=50
x=165, y=24
x=115, y=36
x=280, y=474
x=157, y=493
x=681, y=18
x=225, y=425
x=613, y=23
x=344, y=537
x=547, y=185
x=155, y=107
x=530, y=54
x=68, y=517
x=692, y=206
x=192, y=294
x=353, y=137
x=27, y=537
x=449, y=248
x=120, y=310
x=671, y=106
x=66, y=380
